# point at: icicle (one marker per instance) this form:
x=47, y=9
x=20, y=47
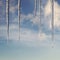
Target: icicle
x=40, y=13
x=40, y=17
x=0, y=11
x=52, y=22
x=35, y=7
x=19, y=17
x=7, y=18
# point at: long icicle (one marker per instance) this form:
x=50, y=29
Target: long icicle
x=7, y=18
x=35, y=7
x=19, y=17
x=52, y=21
x=40, y=13
x=1, y=13
x=40, y=17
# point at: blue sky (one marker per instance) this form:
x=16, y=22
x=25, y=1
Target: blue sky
x=35, y=39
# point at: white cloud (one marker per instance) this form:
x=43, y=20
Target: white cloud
x=32, y=18
x=48, y=12
x=36, y=19
x=26, y=17
x=48, y=8
x=30, y=35
x=13, y=8
x=25, y=34
x=13, y=32
x=57, y=15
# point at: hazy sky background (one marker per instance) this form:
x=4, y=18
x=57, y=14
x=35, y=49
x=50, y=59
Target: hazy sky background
x=35, y=40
